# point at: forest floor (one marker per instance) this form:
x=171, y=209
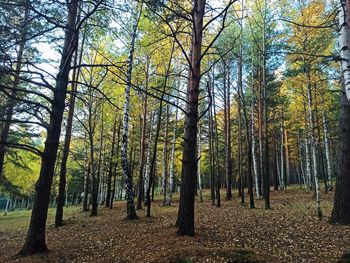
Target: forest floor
x=289, y=232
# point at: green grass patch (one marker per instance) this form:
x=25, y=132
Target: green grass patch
x=19, y=220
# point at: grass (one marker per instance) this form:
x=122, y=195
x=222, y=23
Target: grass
x=19, y=220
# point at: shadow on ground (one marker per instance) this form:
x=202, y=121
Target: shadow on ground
x=212, y=255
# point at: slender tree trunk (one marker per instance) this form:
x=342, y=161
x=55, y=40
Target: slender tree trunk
x=266, y=168
x=199, y=165
x=35, y=241
x=255, y=167
x=150, y=187
x=153, y=163
x=172, y=162
x=149, y=149
x=227, y=127
x=115, y=166
x=130, y=208
x=313, y=148
x=216, y=141
x=111, y=166
x=246, y=122
x=86, y=187
x=301, y=160
x=286, y=146
x=165, y=157
x=143, y=143
x=240, y=149
x=211, y=153
x=65, y=153
x=68, y=135
x=283, y=182
x=326, y=146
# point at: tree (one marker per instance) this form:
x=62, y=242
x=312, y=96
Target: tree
x=131, y=212
x=35, y=240
x=341, y=206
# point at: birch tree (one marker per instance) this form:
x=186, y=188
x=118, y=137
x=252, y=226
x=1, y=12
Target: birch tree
x=131, y=211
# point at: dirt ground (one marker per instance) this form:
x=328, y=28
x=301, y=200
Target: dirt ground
x=289, y=232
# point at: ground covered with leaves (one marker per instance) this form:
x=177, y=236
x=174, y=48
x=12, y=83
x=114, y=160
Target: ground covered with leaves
x=289, y=232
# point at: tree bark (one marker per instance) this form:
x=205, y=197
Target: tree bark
x=341, y=204
x=143, y=143
x=227, y=128
x=283, y=182
x=153, y=163
x=326, y=146
x=130, y=207
x=172, y=162
x=165, y=157
x=67, y=139
x=286, y=146
x=199, y=166
x=313, y=146
x=189, y=164
x=111, y=166
x=35, y=240
x=344, y=43
x=211, y=151
x=115, y=166
x=216, y=147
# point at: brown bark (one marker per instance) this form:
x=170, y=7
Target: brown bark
x=35, y=240
x=67, y=139
x=189, y=163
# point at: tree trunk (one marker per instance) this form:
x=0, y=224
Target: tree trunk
x=240, y=149
x=283, y=182
x=143, y=143
x=255, y=167
x=216, y=156
x=130, y=207
x=341, y=205
x=172, y=162
x=86, y=187
x=211, y=151
x=227, y=128
x=266, y=168
x=199, y=165
x=111, y=166
x=326, y=146
x=165, y=157
x=67, y=139
x=286, y=146
x=153, y=163
x=189, y=164
x=313, y=147
x=149, y=148
x=115, y=166
x=344, y=43
x=35, y=241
